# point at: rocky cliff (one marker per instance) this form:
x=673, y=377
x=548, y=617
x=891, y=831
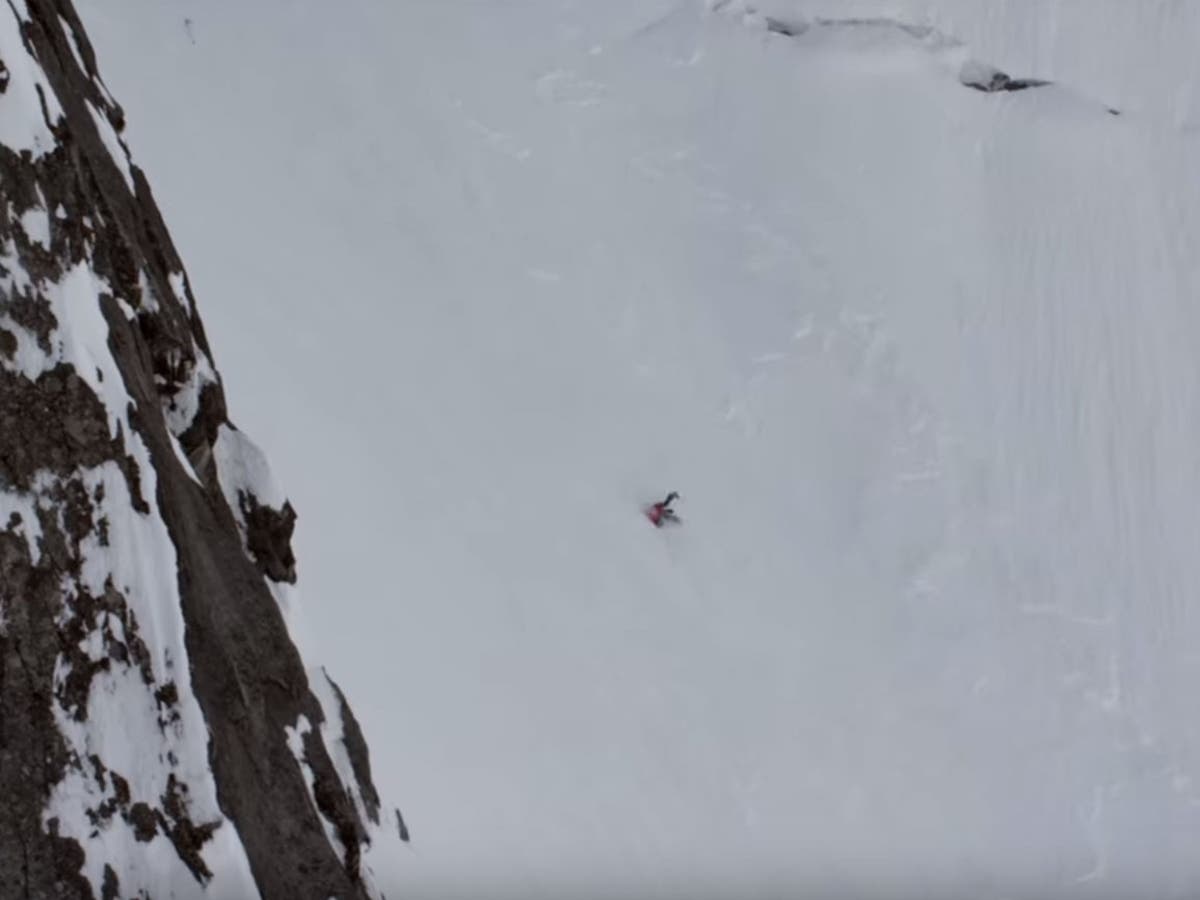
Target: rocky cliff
x=160, y=733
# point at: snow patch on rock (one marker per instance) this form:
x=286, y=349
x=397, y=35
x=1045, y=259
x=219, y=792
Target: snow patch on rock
x=116, y=147
x=36, y=224
x=138, y=743
x=242, y=469
x=28, y=100
x=181, y=406
x=296, y=737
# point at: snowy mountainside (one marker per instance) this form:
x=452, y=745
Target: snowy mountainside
x=160, y=735
x=1135, y=56
x=919, y=358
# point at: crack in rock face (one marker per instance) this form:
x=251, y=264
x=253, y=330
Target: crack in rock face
x=147, y=678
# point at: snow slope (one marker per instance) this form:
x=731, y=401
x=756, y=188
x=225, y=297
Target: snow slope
x=919, y=359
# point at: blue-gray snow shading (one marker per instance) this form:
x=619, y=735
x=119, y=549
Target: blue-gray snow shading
x=159, y=731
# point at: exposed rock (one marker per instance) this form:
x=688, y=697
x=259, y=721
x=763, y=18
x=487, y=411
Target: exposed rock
x=145, y=825
x=786, y=29
x=269, y=537
x=989, y=80
x=90, y=463
x=356, y=749
x=111, y=887
x=187, y=836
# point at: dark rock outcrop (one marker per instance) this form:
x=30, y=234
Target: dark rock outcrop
x=991, y=81
x=269, y=537
x=80, y=473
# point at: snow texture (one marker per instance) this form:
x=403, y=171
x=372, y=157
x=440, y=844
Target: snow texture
x=126, y=731
x=116, y=149
x=295, y=739
x=124, y=723
x=30, y=106
x=920, y=359
x=36, y=224
x=181, y=410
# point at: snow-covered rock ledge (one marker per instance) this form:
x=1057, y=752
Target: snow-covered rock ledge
x=149, y=682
